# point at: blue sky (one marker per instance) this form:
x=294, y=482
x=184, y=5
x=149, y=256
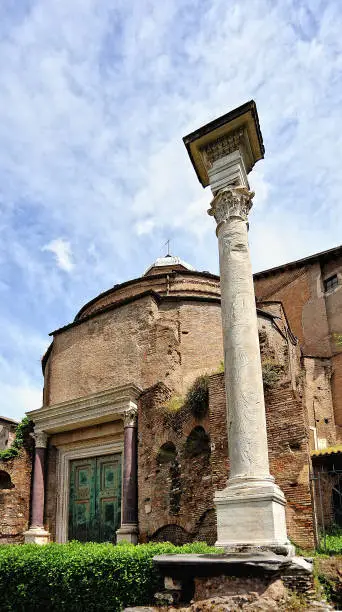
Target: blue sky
x=95, y=98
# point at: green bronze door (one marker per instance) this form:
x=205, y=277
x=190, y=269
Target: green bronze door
x=95, y=499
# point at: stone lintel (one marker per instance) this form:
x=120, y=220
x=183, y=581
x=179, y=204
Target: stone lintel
x=238, y=130
x=96, y=408
x=250, y=563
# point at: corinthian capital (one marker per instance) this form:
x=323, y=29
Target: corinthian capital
x=40, y=438
x=130, y=417
x=231, y=202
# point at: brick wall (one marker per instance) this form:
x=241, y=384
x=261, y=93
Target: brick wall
x=167, y=282
x=288, y=443
x=314, y=316
x=301, y=292
x=198, y=477
x=144, y=342
x=177, y=492
x=15, y=501
x=292, y=289
x=336, y=386
x=318, y=401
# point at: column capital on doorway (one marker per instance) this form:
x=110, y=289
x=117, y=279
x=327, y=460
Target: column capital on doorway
x=40, y=437
x=130, y=417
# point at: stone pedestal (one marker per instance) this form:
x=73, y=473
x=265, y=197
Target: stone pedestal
x=129, y=518
x=36, y=533
x=251, y=516
x=258, y=581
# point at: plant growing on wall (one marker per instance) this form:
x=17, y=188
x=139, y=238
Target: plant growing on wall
x=22, y=430
x=197, y=397
x=175, y=403
x=271, y=373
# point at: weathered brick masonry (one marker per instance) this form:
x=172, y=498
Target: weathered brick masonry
x=314, y=312
x=199, y=475
x=15, y=475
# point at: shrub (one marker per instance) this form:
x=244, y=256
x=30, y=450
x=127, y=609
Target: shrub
x=197, y=397
x=271, y=373
x=79, y=577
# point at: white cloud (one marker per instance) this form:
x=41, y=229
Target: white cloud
x=18, y=398
x=21, y=386
x=62, y=250
x=95, y=99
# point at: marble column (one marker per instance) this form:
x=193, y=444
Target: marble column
x=251, y=509
x=36, y=533
x=129, y=507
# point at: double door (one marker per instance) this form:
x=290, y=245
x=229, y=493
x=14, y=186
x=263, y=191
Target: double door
x=95, y=498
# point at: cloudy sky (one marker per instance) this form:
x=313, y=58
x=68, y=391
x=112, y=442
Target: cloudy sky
x=95, y=97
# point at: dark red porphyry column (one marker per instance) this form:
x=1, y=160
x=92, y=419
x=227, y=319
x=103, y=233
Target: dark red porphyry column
x=36, y=533
x=129, y=519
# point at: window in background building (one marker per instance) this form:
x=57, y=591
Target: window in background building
x=331, y=283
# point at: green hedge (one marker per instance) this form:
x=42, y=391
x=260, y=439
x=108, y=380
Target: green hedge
x=81, y=577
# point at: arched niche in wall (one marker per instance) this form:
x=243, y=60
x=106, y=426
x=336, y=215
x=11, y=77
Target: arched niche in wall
x=167, y=453
x=168, y=464
x=197, y=443
x=171, y=533
x=5, y=480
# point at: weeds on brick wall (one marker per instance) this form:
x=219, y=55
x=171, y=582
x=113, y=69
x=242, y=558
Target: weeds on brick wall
x=175, y=403
x=22, y=431
x=197, y=397
x=79, y=577
x=271, y=373
x=220, y=368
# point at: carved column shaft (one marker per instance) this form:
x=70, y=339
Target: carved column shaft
x=247, y=436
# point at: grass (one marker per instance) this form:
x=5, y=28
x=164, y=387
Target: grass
x=332, y=544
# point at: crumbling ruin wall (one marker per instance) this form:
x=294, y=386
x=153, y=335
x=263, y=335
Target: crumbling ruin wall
x=176, y=494
x=176, y=488
x=15, y=486
x=174, y=476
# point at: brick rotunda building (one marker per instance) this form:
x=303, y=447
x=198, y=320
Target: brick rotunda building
x=130, y=442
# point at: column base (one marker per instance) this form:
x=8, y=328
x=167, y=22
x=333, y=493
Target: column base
x=128, y=533
x=36, y=535
x=251, y=518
